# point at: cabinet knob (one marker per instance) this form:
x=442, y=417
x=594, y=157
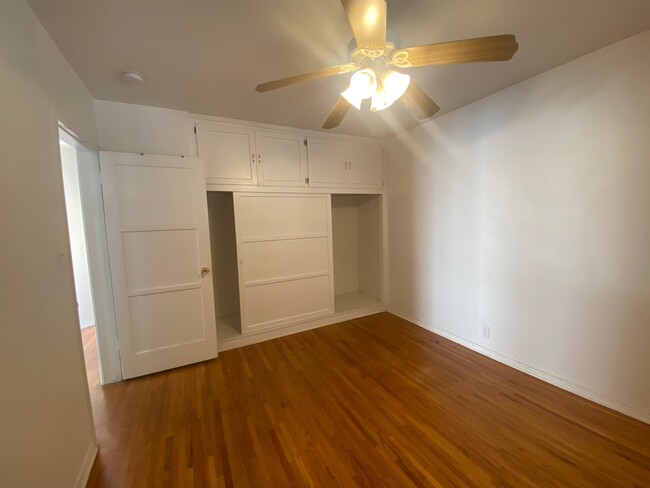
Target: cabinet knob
x=204, y=271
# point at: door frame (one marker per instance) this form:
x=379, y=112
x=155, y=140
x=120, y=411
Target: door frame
x=92, y=206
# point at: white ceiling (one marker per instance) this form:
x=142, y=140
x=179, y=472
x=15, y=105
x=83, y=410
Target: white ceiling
x=207, y=56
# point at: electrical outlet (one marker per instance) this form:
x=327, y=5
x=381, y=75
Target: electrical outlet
x=485, y=331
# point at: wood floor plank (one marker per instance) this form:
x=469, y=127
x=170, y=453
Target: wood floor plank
x=375, y=402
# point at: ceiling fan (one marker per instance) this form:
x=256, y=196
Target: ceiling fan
x=374, y=57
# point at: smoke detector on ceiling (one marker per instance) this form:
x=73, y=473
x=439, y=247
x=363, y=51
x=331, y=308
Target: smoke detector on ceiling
x=132, y=77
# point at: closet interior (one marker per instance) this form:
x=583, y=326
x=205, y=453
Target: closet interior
x=357, y=248
x=223, y=244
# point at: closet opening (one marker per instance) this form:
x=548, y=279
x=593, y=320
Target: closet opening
x=357, y=248
x=223, y=244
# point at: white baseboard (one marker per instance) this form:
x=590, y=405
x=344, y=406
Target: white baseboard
x=537, y=373
x=89, y=460
x=266, y=335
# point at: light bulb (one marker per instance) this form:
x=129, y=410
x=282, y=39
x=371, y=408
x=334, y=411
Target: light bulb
x=380, y=100
x=371, y=16
x=395, y=84
x=363, y=84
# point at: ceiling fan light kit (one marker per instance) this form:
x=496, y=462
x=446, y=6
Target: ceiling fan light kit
x=375, y=53
x=363, y=85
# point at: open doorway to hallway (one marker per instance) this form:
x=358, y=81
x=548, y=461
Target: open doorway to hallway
x=88, y=252
x=79, y=255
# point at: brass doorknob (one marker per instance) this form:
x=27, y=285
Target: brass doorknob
x=204, y=271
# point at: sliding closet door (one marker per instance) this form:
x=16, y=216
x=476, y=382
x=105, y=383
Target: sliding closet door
x=284, y=249
x=159, y=249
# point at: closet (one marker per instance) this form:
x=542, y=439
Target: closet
x=291, y=261
x=223, y=244
x=293, y=239
x=357, y=251
x=296, y=228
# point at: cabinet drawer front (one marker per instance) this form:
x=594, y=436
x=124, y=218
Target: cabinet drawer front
x=287, y=301
x=275, y=216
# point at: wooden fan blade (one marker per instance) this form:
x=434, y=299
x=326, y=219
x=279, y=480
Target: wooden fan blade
x=494, y=48
x=368, y=21
x=420, y=102
x=338, y=112
x=312, y=75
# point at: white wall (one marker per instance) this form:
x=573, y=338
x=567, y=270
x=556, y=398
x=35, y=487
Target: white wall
x=45, y=416
x=125, y=127
x=77, y=235
x=529, y=211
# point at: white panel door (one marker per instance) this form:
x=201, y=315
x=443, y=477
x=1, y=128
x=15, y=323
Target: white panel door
x=364, y=168
x=281, y=158
x=327, y=161
x=228, y=152
x=284, y=248
x=158, y=243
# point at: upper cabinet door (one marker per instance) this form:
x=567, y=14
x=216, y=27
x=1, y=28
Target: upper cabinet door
x=327, y=159
x=281, y=158
x=364, y=166
x=228, y=152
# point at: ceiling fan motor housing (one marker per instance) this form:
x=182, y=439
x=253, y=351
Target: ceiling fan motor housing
x=363, y=56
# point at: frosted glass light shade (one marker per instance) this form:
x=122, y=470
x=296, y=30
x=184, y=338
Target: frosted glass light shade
x=395, y=84
x=363, y=84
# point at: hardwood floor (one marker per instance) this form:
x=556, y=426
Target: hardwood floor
x=372, y=402
x=89, y=340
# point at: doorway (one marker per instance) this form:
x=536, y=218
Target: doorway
x=89, y=257
x=79, y=258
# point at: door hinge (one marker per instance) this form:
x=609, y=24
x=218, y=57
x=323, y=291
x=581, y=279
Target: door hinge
x=307, y=180
x=195, y=129
x=305, y=141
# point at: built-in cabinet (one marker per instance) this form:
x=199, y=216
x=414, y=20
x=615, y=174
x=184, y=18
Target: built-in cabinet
x=236, y=155
x=335, y=163
x=281, y=158
x=242, y=155
x=295, y=241
x=284, y=249
x=284, y=260
x=228, y=152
